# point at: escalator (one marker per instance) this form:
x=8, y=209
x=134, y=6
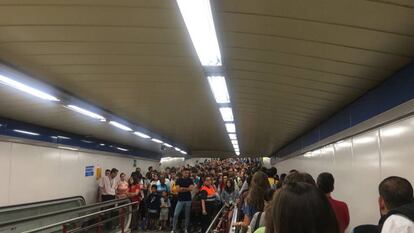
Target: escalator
x=67, y=216
x=71, y=215
x=10, y=213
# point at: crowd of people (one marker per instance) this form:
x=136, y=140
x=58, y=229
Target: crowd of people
x=186, y=199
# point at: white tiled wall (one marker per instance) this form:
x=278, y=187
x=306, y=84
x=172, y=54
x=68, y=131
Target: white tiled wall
x=33, y=173
x=359, y=164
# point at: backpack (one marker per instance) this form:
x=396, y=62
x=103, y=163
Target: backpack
x=257, y=223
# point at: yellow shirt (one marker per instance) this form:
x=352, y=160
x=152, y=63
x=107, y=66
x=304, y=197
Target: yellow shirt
x=174, y=188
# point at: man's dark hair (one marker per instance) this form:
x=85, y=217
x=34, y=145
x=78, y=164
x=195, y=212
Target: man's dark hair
x=396, y=192
x=325, y=182
x=107, y=170
x=272, y=172
x=114, y=170
x=299, y=177
x=154, y=186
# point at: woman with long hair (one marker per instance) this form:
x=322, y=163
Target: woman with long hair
x=229, y=194
x=255, y=199
x=300, y=208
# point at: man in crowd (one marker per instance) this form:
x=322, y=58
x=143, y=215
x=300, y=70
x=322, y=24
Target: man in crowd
x=184, y=186
x=109, y=185
x=396, y=205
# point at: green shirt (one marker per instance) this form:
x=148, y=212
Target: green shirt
x=260, y=230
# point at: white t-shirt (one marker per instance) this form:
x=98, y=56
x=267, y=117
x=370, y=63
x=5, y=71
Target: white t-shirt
x=398, y=224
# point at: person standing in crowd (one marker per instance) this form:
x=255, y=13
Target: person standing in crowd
x=101, y=185
x=272, y=172
x=153, y=207
x=281, y=180
x=164, y=212
x=174, y=193
x=134, y=193
x=223, y=182
x=122, y=187
x=300, y=207
x=162, y=186
x=254, y=201
x=185, y=186
x=149, y=173
x=229, y=194
x=396, y=205
x=109, y=185
x=109, y=192
x=258, y=219
x=137, y=173
x=255, y=197
x=325, y=182
x=209, y=198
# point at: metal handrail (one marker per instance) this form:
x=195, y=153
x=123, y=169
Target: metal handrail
x=215, y=219
x=39, y=203
x=79, y=218
x=75, y=209
x=233, y=220
x=99, y=223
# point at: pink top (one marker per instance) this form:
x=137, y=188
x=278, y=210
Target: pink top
x=122, y=189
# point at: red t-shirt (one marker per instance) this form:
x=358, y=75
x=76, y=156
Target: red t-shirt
x=134, y=189
x=341, y=212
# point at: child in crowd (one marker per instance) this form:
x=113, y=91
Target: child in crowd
x=153, y=205
x=165, y=207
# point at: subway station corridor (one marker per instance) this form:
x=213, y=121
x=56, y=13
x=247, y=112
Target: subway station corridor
x=200, y=116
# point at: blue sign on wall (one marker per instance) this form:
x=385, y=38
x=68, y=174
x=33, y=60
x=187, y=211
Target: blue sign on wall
x=89, y=170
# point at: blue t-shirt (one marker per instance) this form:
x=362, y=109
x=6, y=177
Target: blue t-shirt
x=249, y=210
x=162, y=187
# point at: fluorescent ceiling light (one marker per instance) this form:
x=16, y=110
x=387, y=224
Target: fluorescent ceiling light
x=86, y=141
x=67, y=148
x=183, y=152
x=156, y=140
x=63, y=137
x=237, y=153
x=142, y=135
x=26, y=132
x=102, y=144
x=120, y=148
x=230, y=127
x=29, y=90
x=219, y=88
x=177, y=149
x=233, y=136
x=167, y=145
x=234, y=142
x=200, y=25
x=120, y=126
x=227, y=114
x=86, y=112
